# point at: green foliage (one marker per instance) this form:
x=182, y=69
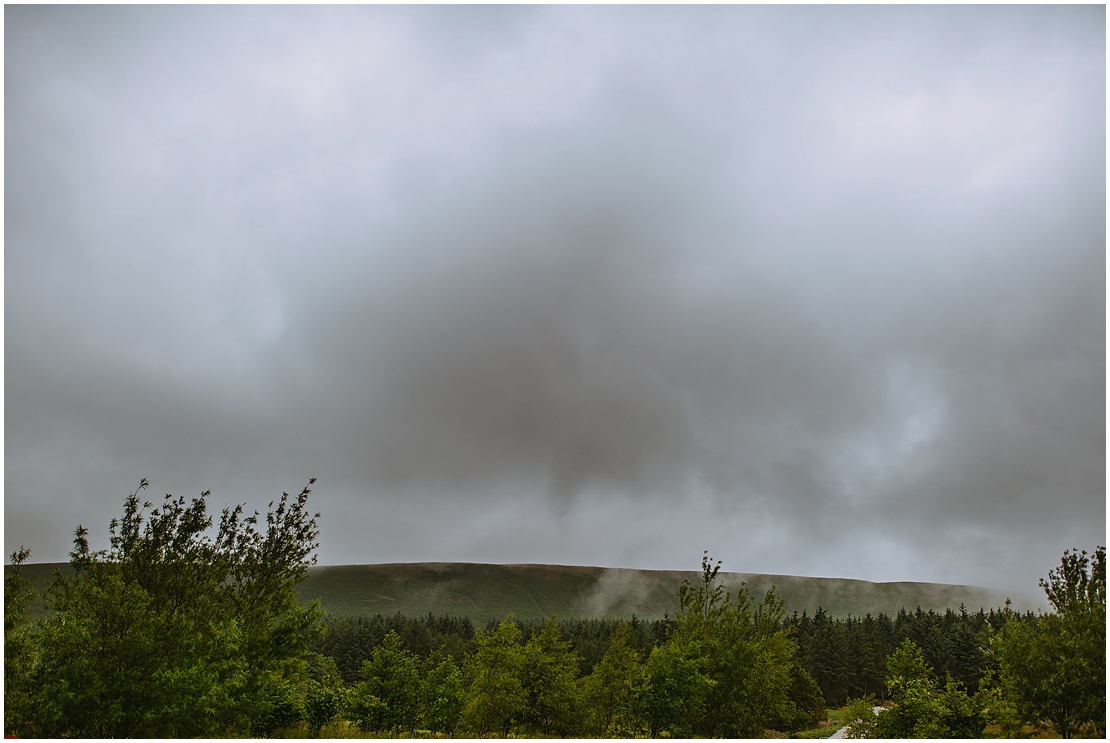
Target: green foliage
x=673, y=696
x=610, y=688
x=19, y=644
x=826, y=656
x=1055, y=670
x=441, y=692
x=322, y=703
x=999, y=708
x=495, y=696
x=906, y=665
x=922, y=708
x=351, y=639
x=862, y=722
x=767, y=685
x=548, y=673
x=392, y=677
x=962, y=715
x=726, y=670
x=847, y=657
x=283, y=703
x=805, y=696
x=170, y=633
x=1072, y=589
x=916, y=712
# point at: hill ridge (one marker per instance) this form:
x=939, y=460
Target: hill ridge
x=484, y=591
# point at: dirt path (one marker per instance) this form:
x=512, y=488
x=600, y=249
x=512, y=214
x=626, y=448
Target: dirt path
x=840, y=733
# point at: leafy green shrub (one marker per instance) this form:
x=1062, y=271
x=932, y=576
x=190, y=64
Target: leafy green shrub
x=170, y=632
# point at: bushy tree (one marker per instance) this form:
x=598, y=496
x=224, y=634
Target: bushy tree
x=860, y=715
x=1054, y=670
x=922, y=708
x=915, y=712
x=171, y=632
x=610, y=688
x=552, y=704
x=321, y=704
x=726, y=670
x=392, y=677
x=441, y=692
x=494, y=696
x=283, y=702
x=19, y=645
x=675, y=687
x=805, y=696
x=322, y=694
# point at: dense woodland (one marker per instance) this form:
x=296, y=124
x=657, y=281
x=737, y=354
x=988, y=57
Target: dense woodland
x=177, y=632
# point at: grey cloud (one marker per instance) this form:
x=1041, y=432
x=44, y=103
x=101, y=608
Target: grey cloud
x=759, y=277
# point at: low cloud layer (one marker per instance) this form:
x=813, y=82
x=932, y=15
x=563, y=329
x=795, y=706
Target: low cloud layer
x=819, y=289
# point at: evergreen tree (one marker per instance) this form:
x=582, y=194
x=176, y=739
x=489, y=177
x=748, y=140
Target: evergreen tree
x=392, y=680
x=827, y=658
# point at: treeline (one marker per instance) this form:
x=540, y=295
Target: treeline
x=834, y=661
x=723, y=667
x=176, y=631
x=847, y=657
x=1045, y=671
x=349, y=640
x=953, y=674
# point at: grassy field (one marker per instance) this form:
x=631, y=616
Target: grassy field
x=484, y=592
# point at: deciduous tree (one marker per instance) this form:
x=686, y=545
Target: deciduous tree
x=552, y=705
x=493, y=693
x=610, y=687
x=1054, y=670
x=19, y=646
x=171, y=632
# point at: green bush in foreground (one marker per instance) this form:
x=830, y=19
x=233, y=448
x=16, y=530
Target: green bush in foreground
x=169, y=632
x=1051, y=671
x=1055, y=671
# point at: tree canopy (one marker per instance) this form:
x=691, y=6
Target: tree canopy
x=180, y=629
x=172, y=631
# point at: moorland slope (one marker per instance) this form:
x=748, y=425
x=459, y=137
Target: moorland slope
x=571, y=592
x=484, y=592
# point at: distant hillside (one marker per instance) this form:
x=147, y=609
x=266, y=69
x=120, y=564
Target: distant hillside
x=492, y=591
x=484, y=592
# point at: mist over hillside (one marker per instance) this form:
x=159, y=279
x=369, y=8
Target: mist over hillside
x=483, y=591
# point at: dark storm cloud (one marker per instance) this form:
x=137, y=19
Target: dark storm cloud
x=581, y=285
x=569, y=323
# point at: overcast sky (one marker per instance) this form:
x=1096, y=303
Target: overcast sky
x=818, y=289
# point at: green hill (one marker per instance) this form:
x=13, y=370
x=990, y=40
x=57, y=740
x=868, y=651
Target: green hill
x=492, y=591
x=484, y=592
